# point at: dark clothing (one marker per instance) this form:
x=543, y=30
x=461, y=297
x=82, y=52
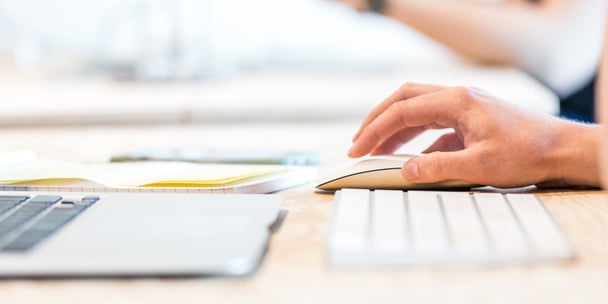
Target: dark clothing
x=580, y=105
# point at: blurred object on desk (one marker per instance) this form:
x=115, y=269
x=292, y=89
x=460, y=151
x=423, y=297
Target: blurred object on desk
x=222, y=156
x=34, y=99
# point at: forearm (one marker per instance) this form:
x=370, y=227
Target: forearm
x=541, y=38
x=488, y=32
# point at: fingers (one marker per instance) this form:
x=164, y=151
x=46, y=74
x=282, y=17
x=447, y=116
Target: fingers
x=442, y=108
x=397, y=140
x=447, y=142
x=440, y=166
x=406, y=91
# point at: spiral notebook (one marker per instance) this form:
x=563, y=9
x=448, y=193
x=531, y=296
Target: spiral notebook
x=23, y=171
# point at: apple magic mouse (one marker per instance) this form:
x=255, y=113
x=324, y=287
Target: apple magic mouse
x=379, y=172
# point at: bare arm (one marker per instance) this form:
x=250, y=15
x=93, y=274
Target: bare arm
x=487, y=32
x=558, y=41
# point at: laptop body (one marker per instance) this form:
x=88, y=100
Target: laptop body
x=135, y=234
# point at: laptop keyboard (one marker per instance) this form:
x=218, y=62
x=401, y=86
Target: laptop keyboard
x=393, y=227
x=25, y=221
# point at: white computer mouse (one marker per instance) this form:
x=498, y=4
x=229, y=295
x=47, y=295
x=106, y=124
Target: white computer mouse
x=379, y=172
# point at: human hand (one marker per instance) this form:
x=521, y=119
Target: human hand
x=493, y=143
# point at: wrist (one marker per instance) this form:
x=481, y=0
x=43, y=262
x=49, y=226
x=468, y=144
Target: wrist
x=573, y=158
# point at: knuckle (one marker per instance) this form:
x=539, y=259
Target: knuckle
x=406, y=87
x=397, y=109
x=461, y=92
x=394, y=108
x=377, y=136
x=463, y=96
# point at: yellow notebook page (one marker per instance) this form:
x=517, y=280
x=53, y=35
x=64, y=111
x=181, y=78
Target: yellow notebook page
x=137, y=174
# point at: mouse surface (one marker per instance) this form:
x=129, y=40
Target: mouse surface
x=379, y=172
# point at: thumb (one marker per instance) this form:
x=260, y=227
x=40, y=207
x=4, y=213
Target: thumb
x=437, y=166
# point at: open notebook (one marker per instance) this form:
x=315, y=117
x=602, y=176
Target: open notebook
x=24, y=172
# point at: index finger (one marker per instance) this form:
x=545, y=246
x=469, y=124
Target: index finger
x=406, y=91
x=437, y=108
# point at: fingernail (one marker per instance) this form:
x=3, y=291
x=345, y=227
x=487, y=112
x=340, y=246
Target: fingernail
x=411, y=171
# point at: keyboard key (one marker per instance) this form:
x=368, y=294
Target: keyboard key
x=23, y=214
x=45, y=199
x=389, y=231
x=6, y=206
x=506, y=235
x=427, y=223
x=350, y=222
x=9, y=202
x=545, y=236
x=89, y=199
x=42, y=228
x=47, y=225
x=4, y=198
x=467, y=233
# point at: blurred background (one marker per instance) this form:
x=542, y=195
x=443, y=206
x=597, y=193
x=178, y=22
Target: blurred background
x=204, y=39
x=183, y=61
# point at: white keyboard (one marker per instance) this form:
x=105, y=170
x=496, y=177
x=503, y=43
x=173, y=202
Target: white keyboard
x=393, y=227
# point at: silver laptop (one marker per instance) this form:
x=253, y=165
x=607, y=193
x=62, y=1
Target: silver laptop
x=45, y=234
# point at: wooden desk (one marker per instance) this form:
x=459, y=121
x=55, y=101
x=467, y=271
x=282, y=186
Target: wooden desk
x=294, y=270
